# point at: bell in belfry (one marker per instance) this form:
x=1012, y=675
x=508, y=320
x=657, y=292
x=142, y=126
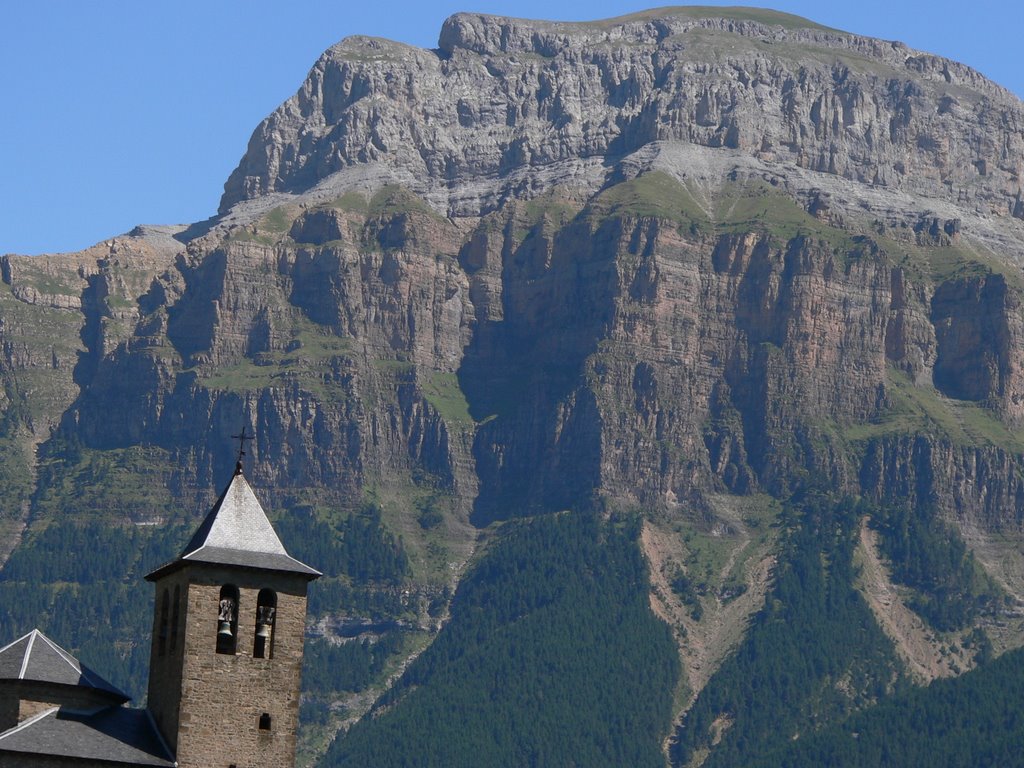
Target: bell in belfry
x=264, y=621
x=226, y=616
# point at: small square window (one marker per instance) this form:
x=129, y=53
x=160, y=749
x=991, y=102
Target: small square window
x=265, y=722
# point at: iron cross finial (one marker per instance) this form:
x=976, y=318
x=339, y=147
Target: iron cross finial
x=241, y=438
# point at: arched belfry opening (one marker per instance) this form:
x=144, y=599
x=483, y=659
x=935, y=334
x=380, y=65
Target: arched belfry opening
x=266, y=613
x=227, y=620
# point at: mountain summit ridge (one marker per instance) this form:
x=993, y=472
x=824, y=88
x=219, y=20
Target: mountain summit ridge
x=795, y=96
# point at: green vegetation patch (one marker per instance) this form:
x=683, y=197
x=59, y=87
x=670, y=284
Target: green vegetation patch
x=279, y=220
x=328, y=668
x=544, y=214
x=973, y=720
x=246, y=235
x=351, y=201
x=737, y=209
x=394, y=367
x=949, y=262
x=113, y=484
x=81, y=584
x=52, y=282
x=813, y=654
x=308, y=360
x=358, y=546
x=707, y=555
x=655, y=194
x=961, y=259
x=552, y=205
x=921, y=408
x=271, y=229
x=759, y=207
x=442, y=390
x=421, y=510
x=51, y=285
x=718, y=556
x=951, y=589
x=244, y=376
x=551, y=657
x=315, y=342
x=393, y=199
x=117, y=303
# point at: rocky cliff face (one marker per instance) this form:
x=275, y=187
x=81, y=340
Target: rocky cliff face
x=647, y=263
x=822, y=204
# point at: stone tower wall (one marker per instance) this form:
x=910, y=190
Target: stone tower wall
x=165, y=671
x=215, y=705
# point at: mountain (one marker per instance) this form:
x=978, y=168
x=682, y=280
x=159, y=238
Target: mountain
x=712, y=311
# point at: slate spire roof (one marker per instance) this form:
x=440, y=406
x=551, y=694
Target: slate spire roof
x=36, y=658
x=237, y=532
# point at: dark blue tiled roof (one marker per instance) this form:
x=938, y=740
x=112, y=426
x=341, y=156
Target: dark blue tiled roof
x=113, y=734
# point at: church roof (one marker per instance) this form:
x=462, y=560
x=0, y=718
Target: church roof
x=237, y=532
x=36, y=658
x=111, y=735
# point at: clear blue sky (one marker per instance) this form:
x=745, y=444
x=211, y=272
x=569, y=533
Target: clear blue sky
x=120, y=112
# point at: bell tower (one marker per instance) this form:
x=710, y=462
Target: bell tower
x=228, y=627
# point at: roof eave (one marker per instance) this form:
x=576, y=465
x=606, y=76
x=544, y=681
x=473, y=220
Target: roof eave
x=168, y=568
x=113, y=698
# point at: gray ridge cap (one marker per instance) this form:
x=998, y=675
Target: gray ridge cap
x=39, y=659
x=12, y=658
